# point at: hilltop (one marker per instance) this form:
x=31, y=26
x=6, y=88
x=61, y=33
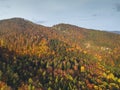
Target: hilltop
x=61, y=57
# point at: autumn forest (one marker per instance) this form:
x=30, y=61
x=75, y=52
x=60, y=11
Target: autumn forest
x=61, y=57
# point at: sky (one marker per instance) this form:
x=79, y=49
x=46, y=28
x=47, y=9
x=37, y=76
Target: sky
x=92, y=14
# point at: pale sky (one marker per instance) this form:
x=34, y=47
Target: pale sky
x=93, y=14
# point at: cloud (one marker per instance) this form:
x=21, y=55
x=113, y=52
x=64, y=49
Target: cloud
x=3, y=0
x=118, y=7
x=40, y=22
x=6, y=6
x=94, y=15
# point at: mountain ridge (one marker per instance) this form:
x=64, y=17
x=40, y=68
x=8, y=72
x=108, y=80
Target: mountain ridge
x=23, y=20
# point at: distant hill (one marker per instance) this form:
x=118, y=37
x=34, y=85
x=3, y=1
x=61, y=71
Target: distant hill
x=61, y=57
x=117, y=32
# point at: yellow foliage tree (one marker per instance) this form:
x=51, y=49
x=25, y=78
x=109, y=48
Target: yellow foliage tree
x=82, y=69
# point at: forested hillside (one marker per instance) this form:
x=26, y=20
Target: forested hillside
x=61, y=57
